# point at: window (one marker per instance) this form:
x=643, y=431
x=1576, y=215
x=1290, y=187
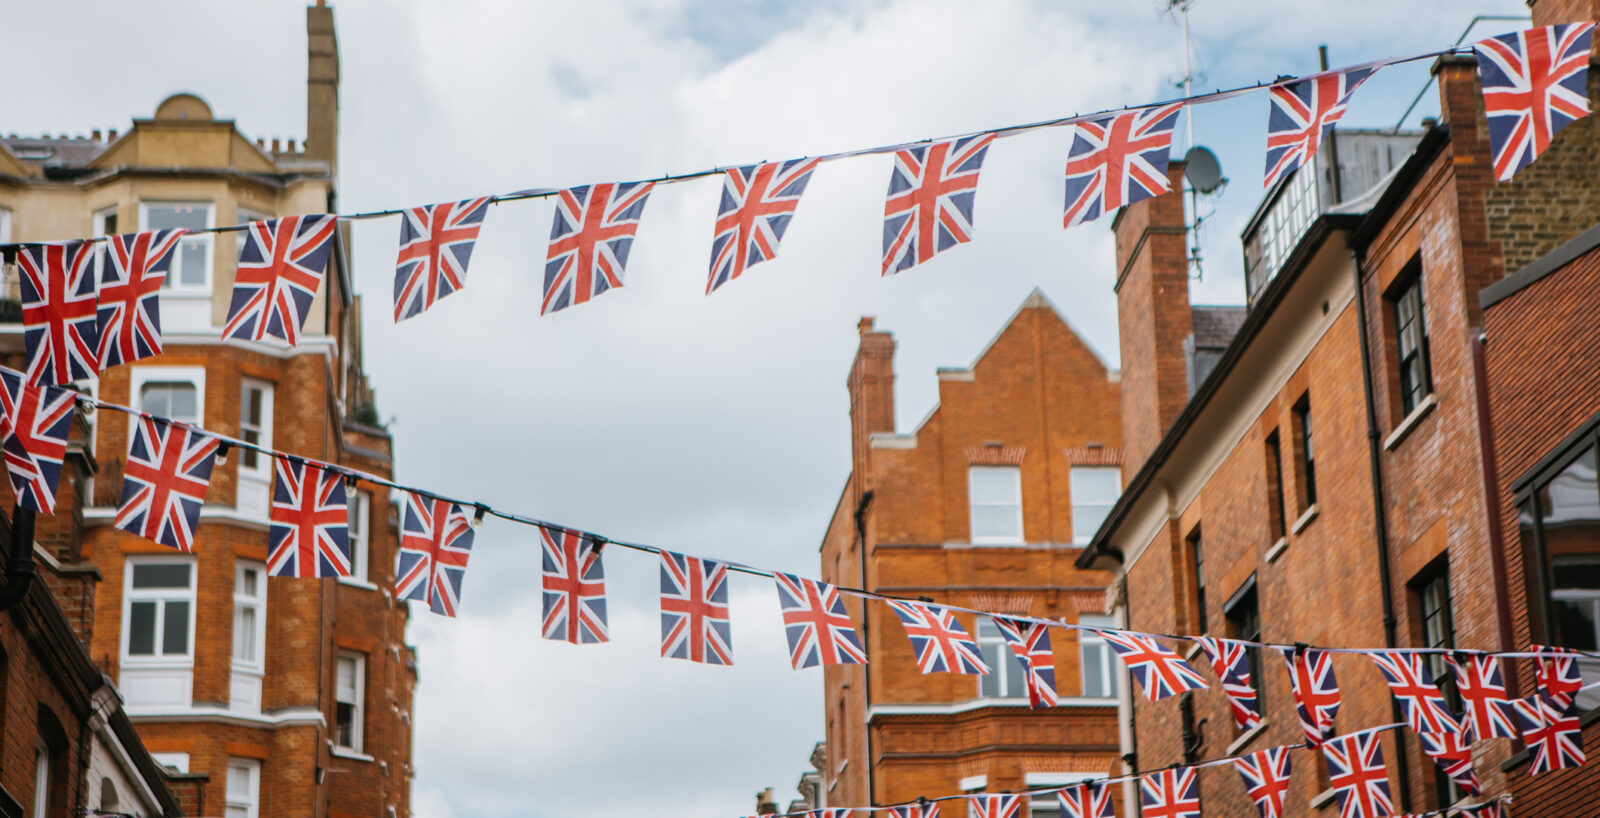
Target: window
x=1431, y=598
x=1043, y=803
x=245, y=216
x=1306, y=462
x=105, y=224
x=1005, y=679
x=244, y=788
x=1411, y=342
x=191, y=265
x=1277, y=517
x=1561, y=532
x=1198, y=562
x=249, y=617
x=1099, y=665
x=360, y=518
x=255, y=427
x=158, y=610
x=41, y=780
x=1243, y=615
x=5, y=225
x=1094, y=492
x=995, y=493
x=350, y=687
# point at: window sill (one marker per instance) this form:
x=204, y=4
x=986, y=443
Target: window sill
x=1277, y=549
x=1322, y=799
x=1194, y=648
x=1245, y=738
x=1400, y=432
x=357, y=583
x=345, y=752
x=1305, y=520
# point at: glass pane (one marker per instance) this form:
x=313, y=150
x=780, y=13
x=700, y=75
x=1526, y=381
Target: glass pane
x=142, y=629
x=995, y=485
x=175, y=629
x=162, y=216
x=344, y=725
x=996, y=522
x=161, y=575
x=1016, y=685
x=249, y=580
x=238, y=782
x=1570, y=519
x=192, y=258
x=252, y=406
x=346, y=686
x=1094, y=670
x=178, y=400
x=989, y=685
x=1097, y=484
x=244, y=634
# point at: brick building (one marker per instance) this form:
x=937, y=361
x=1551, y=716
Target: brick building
x=276, y=696
x=1333, y=480
x=985, y=504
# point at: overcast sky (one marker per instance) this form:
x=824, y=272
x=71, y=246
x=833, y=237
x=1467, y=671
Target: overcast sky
x=715, y=425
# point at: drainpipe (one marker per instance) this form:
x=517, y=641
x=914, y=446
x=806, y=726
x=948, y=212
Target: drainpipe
x=1380, y=523
x=20, y=570
x=866, y=673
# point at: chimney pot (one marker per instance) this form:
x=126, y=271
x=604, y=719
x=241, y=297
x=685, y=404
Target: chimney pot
x=111, y=135
x=97, y=134
x=290, y=144
x=276, y=145
x=866, y=323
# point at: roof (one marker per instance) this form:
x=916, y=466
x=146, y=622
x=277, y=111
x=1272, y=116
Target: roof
x=1215, y=326
x=48, y=151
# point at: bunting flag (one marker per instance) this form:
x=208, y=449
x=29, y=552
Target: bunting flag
x=758, y=202
x=941, y=644
x=1316, y=691
x=694, y=610
x=1357, y=775
x=1420, y=701
x=815, y=623
x=1558, y=674
x=574, y=588
x=164, y=482
x=994, y=806
x=590, y=239
x=1118, y=160
x=280, y=267
x=929, y=206
x=435, y=544
x=1481, y=687
x=927, y=810
x=1158, y=670
x=1303, y=115
x=1030, y=642
x=435, y=245
x=35, y=422
x=1266, y=778
x=1091, y=799
x=310, y=534
x=1552, y=732
x=1453, y=753
x=1230, y=660
x=1173, y=793
x=1535, y=83
x=128, y=319
x=832, y=812
x=59, y=330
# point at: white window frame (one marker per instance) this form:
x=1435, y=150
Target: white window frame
x=263, y=468
x=972, y=506
x=360, y=532
x=131, y=595
x=250, y=803
x=101, y=253
x=174, y=284
x=1088, y=640
x=258, y=603
x=41, y=779
x=141, y=375
x=1073, y=495
x=359, y=721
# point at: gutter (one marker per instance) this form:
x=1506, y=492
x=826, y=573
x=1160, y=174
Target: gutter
x=866, y=673
x=20, y=570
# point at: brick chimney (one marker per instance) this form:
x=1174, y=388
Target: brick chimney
x=322, y=85
x=871, y=386
x=1153, y=319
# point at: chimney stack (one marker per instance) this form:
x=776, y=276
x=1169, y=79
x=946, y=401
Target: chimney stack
x=322, y=86
x=871, y=386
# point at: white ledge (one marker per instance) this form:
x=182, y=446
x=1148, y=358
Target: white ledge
x=1400, y=432
x=105, y=515
x=1246, y=737
x=298, y=715
x=342, y=752
x=1277, y=549
x=977, y=704
x=356, y=583
x=1305, y=520
x=1322, y=799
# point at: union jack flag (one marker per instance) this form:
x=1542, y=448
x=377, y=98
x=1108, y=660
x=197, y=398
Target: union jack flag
x=994, y=806
x=1091, y=799
x=1171, y=793
x=1316, y=691
x=574, y=588
x=1481, y=686
x=1231, y=662
x=1266, y=778
x=931, y=195
x=590, y=241
x=435, y=245
x=927, y=810
x=1558, y=673
x=758, y=202
x=816, y=625
x=1030, y=641
x=1487, y=810
x=1535, y=83
x=1419, y=698
x=435, y=543
x=280, y=267
x=941, y=644
x=1118, y=160
x=34, y=424
x=1551, y=730
x=832, y=813
x=58, y=312
x=129, y=316
x=1453, y=753
x=1356, y=773
x=1158, y=670
x=164, y=482
x=694, y=610
x=1303, y=114
x=310, y=534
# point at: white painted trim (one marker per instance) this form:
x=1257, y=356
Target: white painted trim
x=1305, y=520
x=282, y=718
x=106, y=515
x=1277, y=549
x=1058, y=779
x=890, y=440
x=309, y=344
x=1194, y=647
x=1403, y=430
x=138, y=376
x=973, y=783
x=1245, y=738
x=964, y=375
x=976, y=704
x=357, y=583
x=341, y=752
x=1322, y=798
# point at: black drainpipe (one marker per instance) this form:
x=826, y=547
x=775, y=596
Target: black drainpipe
x=866, y=673
x=1380, y=523
x=20, y=569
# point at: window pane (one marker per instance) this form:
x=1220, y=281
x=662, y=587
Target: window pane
x=252, y=406
x=995, y=485
x=344, y=725
x=244, y=634
x=238, y=782
x=177, y=400
x=142, y=629
x=1096, y=484
x=175, y=628
x=1016, y=685
x=1094, y=671
x=162, y=216
x=249, y=580
x=346, y=687
x=1086, y=520
x=996, y=522
x=161, y=575
x=192, y=258
x=989, y=685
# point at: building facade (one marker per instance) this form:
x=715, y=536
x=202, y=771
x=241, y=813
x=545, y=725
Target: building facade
x=281, y=696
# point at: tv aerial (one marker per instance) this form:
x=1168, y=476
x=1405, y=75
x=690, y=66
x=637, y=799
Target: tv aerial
x=1204, y=174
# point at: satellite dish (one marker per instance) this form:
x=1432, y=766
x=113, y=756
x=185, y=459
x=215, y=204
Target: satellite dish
x=1202, y=169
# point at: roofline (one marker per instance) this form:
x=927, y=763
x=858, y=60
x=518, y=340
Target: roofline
x=1550, y=262
x=1405, y=178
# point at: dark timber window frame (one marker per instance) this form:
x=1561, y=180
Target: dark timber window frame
x=1413, y=357
x=1305, y=465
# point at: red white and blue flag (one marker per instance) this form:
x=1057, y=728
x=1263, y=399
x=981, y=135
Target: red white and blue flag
x=435, y=245
x=435, y=543
x=1316, y=691
x=1453, y=753
x=694, y=610
x=1552, y=732
x=929, y=207
x=1303, y=115
x=994, y=806
x=1091, y=799
x=1157, y=669
x=590, y=240
x=758, y=202
x=1356, y=773
x=1420, y=700
x=128, y=319
x=832, y=812
x=1231, y=662
x=1266, y=779
x=1173, y=793
x=281, y=264
x=310, y=534
x=1535, y=83
x=574, y=588
x=1118, y=160
x=1483, y=695
x=1030, y=641
x=815, y=622
x=927, y=810
x=1558, y=673
x=164, y=482
x=35, y=422
x=941, y=644
x=60, y=334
